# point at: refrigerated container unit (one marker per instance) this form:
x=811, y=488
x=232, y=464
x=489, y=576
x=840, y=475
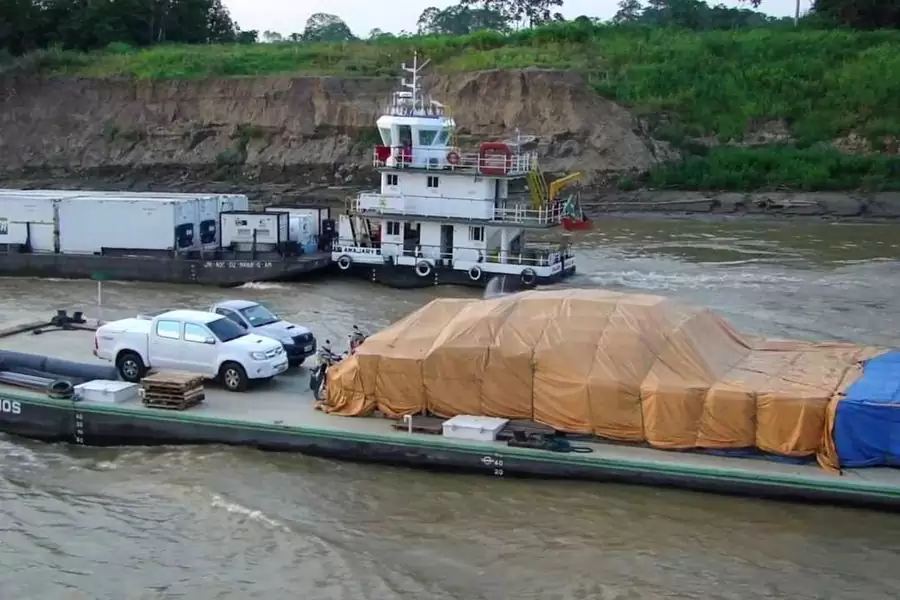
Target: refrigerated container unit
x=206, y=221
x=209, y=205
x=28, y=222
x=249, y=231
x=307, y=218
x=103, y=224
x=233, y=202
x=318, y=214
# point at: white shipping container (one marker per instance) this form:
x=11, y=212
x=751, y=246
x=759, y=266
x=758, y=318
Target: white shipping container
x=88, y=224
x=28, y=217
x=206, y=224
x=315, y=214
x=303, y=232
x=239, y=227
x=230, y=202
x=209, y=205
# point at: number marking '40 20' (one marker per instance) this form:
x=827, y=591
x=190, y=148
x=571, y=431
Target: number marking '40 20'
x=497, y=463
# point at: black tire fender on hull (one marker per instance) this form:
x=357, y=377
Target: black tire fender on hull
x=404, y=277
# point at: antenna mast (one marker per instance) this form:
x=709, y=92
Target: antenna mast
x=417, y=103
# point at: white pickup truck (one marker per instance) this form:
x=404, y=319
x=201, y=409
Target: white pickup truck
x=298, y=341
x=193, y=341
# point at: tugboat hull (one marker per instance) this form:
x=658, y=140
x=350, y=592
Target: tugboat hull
x=401, y=277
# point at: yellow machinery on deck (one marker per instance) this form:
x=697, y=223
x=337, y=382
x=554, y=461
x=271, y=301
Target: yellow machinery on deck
x=542, y=193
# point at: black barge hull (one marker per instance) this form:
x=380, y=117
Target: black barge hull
x=105, y=426
x=220, y=271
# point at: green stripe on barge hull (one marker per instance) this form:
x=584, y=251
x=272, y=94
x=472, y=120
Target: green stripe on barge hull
x=369, y=439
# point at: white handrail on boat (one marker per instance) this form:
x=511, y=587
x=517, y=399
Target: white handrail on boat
x=411, y=205
x=540, y=255
x=514, y=163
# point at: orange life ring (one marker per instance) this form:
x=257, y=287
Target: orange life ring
x=453, y=158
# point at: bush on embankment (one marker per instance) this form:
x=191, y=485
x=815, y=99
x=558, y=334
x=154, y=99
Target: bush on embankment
x=714, y=86
x=773, y=168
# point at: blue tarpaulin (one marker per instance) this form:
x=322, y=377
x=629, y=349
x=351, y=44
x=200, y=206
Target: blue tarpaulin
x=867, y=421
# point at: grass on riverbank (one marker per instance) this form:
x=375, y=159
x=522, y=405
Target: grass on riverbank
x=821, y=83
x=772, y=168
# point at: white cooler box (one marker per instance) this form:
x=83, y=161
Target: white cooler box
x=469, y=427
x=107, y=391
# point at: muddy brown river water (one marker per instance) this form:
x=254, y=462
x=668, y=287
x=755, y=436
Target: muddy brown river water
x=211, y=523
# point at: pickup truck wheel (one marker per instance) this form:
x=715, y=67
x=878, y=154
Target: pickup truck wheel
x=130, y=366
x=234, y=377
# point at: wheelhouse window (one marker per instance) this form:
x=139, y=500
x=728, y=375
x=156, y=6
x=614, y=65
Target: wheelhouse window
x=443, y=138
x=393, y=228
x=476, y=234
x=427, y=136
x=385, y=135
x=433, y=181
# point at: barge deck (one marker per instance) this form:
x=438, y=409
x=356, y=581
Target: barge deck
x=280, y=415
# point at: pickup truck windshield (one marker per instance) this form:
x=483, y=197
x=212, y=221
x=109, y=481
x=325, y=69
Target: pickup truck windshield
x=259, y=315
x=226, y=329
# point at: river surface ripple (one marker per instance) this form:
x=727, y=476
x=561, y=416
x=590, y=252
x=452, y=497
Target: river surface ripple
x=210, y=523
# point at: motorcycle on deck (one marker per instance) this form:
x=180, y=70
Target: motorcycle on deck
x=357, y=337
x=326, y=357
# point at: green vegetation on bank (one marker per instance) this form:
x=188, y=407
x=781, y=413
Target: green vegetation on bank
x=774, y=168
x=706, y=91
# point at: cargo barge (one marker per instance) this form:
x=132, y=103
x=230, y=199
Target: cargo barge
x=282, y=416
x=212, y=239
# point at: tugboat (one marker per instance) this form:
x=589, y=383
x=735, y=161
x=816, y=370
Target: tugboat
x=447, y=216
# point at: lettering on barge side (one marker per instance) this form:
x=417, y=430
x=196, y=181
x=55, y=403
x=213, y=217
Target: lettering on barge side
x=493, y=463
x=237, y=264
x=11, y=407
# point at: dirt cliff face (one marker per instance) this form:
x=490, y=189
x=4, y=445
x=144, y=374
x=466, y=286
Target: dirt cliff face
x=306, y=131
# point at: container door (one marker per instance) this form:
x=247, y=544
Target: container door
x=56, y=227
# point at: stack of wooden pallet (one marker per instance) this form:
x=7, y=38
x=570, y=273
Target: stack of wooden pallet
x=174, y=390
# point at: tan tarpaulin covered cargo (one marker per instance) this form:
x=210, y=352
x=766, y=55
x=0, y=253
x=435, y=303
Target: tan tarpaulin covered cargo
x=626, y=367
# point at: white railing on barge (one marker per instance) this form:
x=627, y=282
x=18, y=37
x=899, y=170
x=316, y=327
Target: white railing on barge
x=511, y=164
x=518, y=212
x=552, y=256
